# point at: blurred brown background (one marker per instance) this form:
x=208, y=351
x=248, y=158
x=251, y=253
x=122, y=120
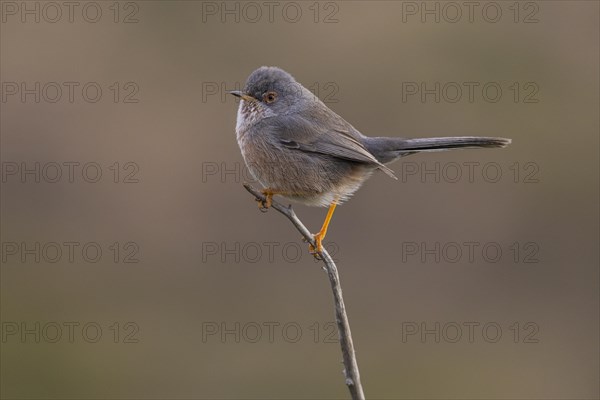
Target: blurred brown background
x=220, y=304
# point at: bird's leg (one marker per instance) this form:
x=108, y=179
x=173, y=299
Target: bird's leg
x=263, y=205
x=321, y=235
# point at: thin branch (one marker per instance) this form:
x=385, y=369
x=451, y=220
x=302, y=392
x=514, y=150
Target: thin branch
x=349, y=356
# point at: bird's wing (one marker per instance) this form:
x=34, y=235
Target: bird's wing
x=336, y=142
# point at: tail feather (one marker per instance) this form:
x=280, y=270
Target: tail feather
x=446, y=143
x=387, y=149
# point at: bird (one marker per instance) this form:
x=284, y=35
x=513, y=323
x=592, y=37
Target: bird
x=298, y=148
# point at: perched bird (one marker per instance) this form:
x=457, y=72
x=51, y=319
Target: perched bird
x=298, y=148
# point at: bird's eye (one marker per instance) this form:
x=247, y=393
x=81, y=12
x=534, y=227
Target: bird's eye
x=270, y=97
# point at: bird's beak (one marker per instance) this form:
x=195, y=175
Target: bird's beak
x=242, y=95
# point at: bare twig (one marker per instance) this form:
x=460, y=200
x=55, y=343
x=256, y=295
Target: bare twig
x=350, y=364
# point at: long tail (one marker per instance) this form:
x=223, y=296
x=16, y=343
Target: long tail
x=387, y=149
x=447, y=143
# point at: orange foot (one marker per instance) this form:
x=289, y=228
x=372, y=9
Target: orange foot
x=263, y=205
x=316, y=251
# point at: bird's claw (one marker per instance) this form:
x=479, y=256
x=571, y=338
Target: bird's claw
x=316, y=251
x=264, y=205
